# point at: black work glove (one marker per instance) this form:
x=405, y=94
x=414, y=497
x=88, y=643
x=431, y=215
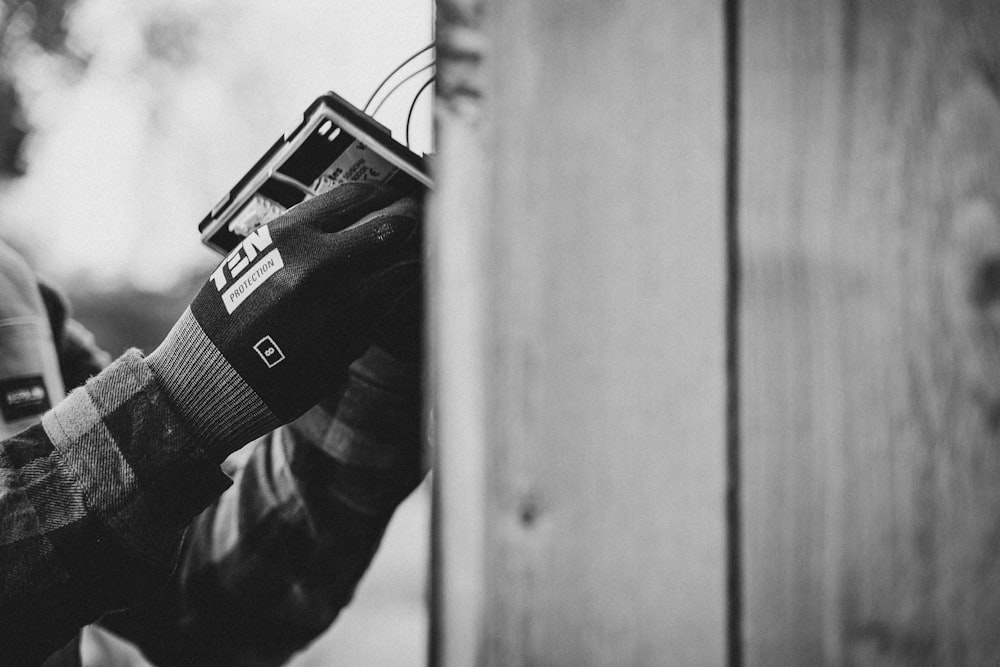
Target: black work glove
x=368, y=449
x=281, y=319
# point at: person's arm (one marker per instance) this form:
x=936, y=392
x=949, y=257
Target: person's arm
x=93, y=502
x=267, y=569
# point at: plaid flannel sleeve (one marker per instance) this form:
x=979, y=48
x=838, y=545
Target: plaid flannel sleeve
x=93, y=505
x=268, y=568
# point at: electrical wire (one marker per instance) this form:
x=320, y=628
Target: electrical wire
x=393, y=73
x=301, y=187
x=413, y=104
x=398, y=85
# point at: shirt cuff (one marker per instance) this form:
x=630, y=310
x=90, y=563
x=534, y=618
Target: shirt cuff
x=142, y=470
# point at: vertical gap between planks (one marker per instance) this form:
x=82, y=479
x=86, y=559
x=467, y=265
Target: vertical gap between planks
x=435, y=631
x=734, y=536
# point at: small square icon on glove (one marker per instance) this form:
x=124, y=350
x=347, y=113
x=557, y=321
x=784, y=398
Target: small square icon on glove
x=269, y=351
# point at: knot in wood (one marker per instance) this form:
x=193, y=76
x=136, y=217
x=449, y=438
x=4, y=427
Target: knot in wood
x=985, y=288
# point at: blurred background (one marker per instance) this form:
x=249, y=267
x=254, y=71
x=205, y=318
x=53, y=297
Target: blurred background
x=121, y=125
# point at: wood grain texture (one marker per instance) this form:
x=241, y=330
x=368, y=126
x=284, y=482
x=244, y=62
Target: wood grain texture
x=870, y=367
x=586, y=269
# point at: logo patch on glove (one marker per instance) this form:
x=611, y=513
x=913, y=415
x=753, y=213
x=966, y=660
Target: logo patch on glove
x=246, y=268
x=269, y=351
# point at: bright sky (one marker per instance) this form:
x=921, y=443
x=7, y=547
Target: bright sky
x=127, y=161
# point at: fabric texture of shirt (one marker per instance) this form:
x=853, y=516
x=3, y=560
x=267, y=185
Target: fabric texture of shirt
x=103, y=507
x=267, y=569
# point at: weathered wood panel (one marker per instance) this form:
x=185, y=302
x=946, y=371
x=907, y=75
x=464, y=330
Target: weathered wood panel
x=870, y=368
x=457, y=218
x=578, y=334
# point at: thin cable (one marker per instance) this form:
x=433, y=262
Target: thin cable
x=301, y=187
x=397, y=87
x=413, y=104
x=393, y=73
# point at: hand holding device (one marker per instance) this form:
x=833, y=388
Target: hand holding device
x=332, y=144
x=281, y=319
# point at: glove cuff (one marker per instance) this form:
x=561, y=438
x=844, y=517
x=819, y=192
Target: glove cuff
x=221, y=409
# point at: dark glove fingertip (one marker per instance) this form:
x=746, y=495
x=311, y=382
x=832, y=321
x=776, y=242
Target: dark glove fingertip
x=339, y=207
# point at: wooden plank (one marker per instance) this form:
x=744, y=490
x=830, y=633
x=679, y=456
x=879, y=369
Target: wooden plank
x=578, y=305
x=870, y=373
x=457, y=211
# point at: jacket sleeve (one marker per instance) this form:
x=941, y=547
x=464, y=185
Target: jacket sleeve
x=267, y=569
x=80, y=358
x=93, y=506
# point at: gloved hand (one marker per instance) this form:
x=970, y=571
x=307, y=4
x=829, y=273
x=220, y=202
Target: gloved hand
x=363, y=445
x=278, y=323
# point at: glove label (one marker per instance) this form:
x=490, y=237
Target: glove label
x=246, y=268
x=269, y=351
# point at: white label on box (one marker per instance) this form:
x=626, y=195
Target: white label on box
x=357, y=163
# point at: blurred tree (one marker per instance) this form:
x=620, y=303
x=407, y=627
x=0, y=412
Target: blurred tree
x=13, y=130
x=119, y=315
x=26, y=24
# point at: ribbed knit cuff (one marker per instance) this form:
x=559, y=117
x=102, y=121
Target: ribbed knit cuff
x=218, y=405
